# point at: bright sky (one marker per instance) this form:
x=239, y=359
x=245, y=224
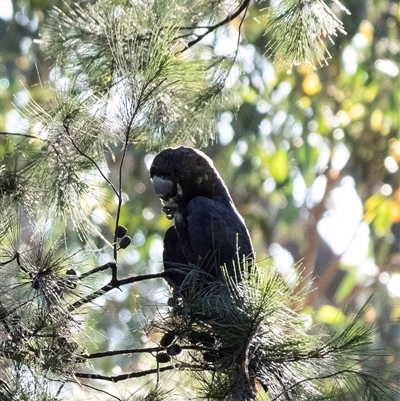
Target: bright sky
x=6, y=9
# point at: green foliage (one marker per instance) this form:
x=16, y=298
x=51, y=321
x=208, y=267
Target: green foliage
x=299, y=30
x=34, y=294
x=237, y=334
x=132, y=58
x=131, y=77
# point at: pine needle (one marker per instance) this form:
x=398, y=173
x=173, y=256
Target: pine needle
x=299, y=29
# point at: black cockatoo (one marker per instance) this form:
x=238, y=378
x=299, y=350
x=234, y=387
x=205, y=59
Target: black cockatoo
x=208, y=231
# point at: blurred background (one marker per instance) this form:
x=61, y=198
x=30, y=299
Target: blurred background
x=311, y=158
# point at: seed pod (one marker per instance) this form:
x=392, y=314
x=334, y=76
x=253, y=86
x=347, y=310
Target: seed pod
x=172, y=302
x=177, y=310
x=207, y=339
x=167, y=339
x=163, y=357
x=210, y=356
x=71, y=282
x=35, y=283
x=125, y=242
x=203, y=338
x=193, y=337
x=121, y=231
x=71, y=272
x=174, y=349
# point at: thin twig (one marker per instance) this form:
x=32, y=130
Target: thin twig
x=90, y=159
x=124, y=376
x=119, y=194
x=141, y=99
x=212, y=28
x=364, y=376
x=143, y=350
x=97, y=269
x=16, y=255
x=100, y=390
x=123, y=351
x=22, y=135
x=130, y=375
x=110, y=286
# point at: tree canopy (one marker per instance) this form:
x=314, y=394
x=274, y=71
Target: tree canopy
x=298, y=104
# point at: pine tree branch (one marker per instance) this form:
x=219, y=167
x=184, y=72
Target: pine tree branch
x=119, y=194
x=22, y=135
x=212, y=28
x=97, y=269
x=131, y=375
x=142, y=98
x=123, y=352
x=66, y=127
x=298, y=30
x=125, y=376
x=104, y=354
x=15, y=256
x=110, y=286
x=336, y=375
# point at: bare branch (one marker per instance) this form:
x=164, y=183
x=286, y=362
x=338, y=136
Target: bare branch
x=226, y=20
x=97, y=269
x=124, y=351
x=22, y=135
x=89, y=158
x=111, y=285
x=125, y=376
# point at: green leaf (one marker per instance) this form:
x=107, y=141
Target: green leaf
x=330, y=314
x=278, y=166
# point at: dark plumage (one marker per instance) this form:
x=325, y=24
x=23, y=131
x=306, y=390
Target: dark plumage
x=208, y=230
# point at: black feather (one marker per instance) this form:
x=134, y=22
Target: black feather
x=208, y=232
